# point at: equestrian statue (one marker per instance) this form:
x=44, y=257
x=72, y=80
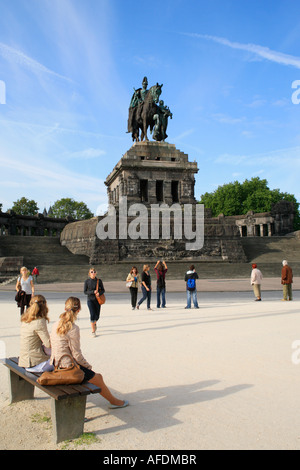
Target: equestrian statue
x=144, y=112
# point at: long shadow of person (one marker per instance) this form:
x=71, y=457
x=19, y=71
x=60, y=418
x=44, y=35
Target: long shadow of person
x=155, y=408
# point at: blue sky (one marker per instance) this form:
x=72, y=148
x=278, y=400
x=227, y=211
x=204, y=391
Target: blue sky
x=67, y=73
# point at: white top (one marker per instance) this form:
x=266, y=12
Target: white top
x=256, y=276
x=25, y=284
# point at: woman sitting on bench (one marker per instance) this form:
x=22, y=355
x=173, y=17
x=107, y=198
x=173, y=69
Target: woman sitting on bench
x=35, y=340
x=65, y=341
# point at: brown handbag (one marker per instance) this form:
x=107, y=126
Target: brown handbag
x=67, y=376
x=100, y=298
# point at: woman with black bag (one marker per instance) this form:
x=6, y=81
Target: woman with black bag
x=26, y=287
x=91, y=290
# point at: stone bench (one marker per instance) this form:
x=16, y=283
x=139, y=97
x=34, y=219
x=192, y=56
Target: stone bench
x=68, y=402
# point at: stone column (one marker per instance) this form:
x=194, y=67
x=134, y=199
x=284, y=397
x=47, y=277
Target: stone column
x=269, y=230
x=167, y=192
x=261, y=230
x=152, y=192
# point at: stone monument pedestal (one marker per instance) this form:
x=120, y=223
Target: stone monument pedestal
x=152, y=174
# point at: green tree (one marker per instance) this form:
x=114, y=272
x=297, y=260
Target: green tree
x=251, y=195
x=67, y=207
x=227, y=199
x=25, y=206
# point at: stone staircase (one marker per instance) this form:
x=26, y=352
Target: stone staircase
x=272, y=249
x=39, y=251
x=57, y=264
x=268, y=253
x=44, y=252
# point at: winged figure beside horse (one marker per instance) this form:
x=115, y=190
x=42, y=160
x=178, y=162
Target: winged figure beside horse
x=144, y=112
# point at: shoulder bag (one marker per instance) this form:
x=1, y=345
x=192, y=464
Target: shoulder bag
x=100, y=298
x=70, y=375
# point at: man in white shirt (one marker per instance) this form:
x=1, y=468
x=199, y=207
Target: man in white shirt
x=256, y=279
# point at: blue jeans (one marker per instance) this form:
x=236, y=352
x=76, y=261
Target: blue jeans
x=146, y=295
x=161, y=291
x=190, y=294
x=94, y=309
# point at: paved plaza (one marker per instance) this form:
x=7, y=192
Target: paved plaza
x=225, y=376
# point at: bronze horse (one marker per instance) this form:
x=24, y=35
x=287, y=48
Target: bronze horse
x=141, y=117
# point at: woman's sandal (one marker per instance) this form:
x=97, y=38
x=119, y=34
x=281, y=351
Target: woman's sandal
x=113, y=407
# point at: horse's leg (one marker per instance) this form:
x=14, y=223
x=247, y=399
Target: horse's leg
x=135, y=135
x=141, y=128
x=145, y=129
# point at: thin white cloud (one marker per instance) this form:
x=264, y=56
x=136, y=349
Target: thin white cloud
x=42, y=130
x=19, y=58
x=281, y=102
x=260, y=51
x=278, y=158
x=50, y=181
x=225, y=119
x=230, y=159
x=257, y=103
x=184, y=134
x=48, y=174
x=94, y=48
x=148, y=61
x=248, y=134
x=87, y=154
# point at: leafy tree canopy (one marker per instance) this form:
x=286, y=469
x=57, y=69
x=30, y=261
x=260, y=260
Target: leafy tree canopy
x=25, y=206
x=251, y=195
x=68, y=207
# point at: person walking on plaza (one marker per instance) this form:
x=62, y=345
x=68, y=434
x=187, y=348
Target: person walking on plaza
x=90, y=289
x=287, y=280
x=161, y=270
x=256, y=279
x=191, y=289
x=133, y=280
x=146, y=287
x=25, y=283
x=35, y=273
x=65, y=341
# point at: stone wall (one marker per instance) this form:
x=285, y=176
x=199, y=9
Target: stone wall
x=31, y=225
x=221, y=243
x=10, y=266
x=222, y=239
x=279, y=221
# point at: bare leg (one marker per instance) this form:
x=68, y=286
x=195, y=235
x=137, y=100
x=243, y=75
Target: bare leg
x=105, y=392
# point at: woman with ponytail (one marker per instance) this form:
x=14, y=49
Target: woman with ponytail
x=65, y=342
x=34, y=338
